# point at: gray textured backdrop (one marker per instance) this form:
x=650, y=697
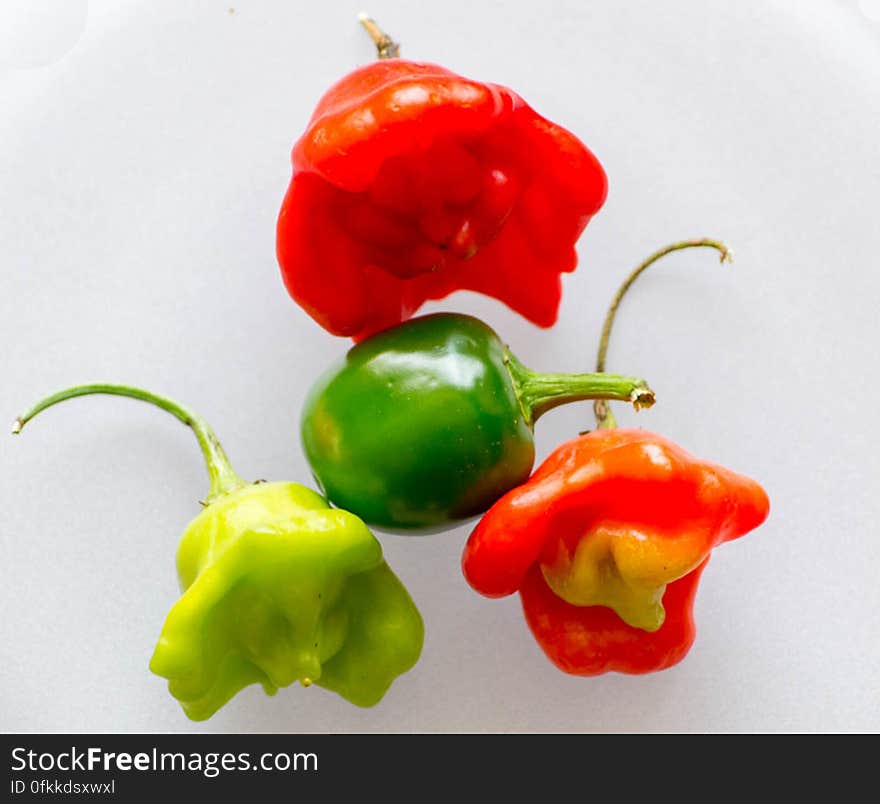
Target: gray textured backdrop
x=140, y=178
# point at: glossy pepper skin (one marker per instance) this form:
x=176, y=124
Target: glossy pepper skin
x=431, y=421
x=277, y=588
x=605, y=544
x=411, y=182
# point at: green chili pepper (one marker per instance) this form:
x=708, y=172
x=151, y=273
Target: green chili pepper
x=277, y=587
x=432, y=421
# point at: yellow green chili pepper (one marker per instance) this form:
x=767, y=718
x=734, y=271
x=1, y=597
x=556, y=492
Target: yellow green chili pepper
x=277, y=587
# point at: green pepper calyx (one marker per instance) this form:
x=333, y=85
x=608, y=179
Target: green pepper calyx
x=538, y=392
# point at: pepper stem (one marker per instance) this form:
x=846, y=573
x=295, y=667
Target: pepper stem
x=539, y=393
x=223, y=478
x=604, y=416
x=387, y=48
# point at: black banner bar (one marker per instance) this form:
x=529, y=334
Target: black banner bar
x=132, y=767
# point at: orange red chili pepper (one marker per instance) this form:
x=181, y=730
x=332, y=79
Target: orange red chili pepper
x=605, y=544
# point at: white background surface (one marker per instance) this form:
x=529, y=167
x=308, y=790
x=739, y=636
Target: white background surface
x=141, y=173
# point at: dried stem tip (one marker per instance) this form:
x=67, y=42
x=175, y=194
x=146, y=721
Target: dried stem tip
x=642, y=398
x=387, y=48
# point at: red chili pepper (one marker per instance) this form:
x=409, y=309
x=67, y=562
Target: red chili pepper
x=412, y=182
x=607, y=539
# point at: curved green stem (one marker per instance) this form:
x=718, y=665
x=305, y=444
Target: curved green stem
x=387, y=48
x=539, y=393
x=604, y=416
x=223, y=478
